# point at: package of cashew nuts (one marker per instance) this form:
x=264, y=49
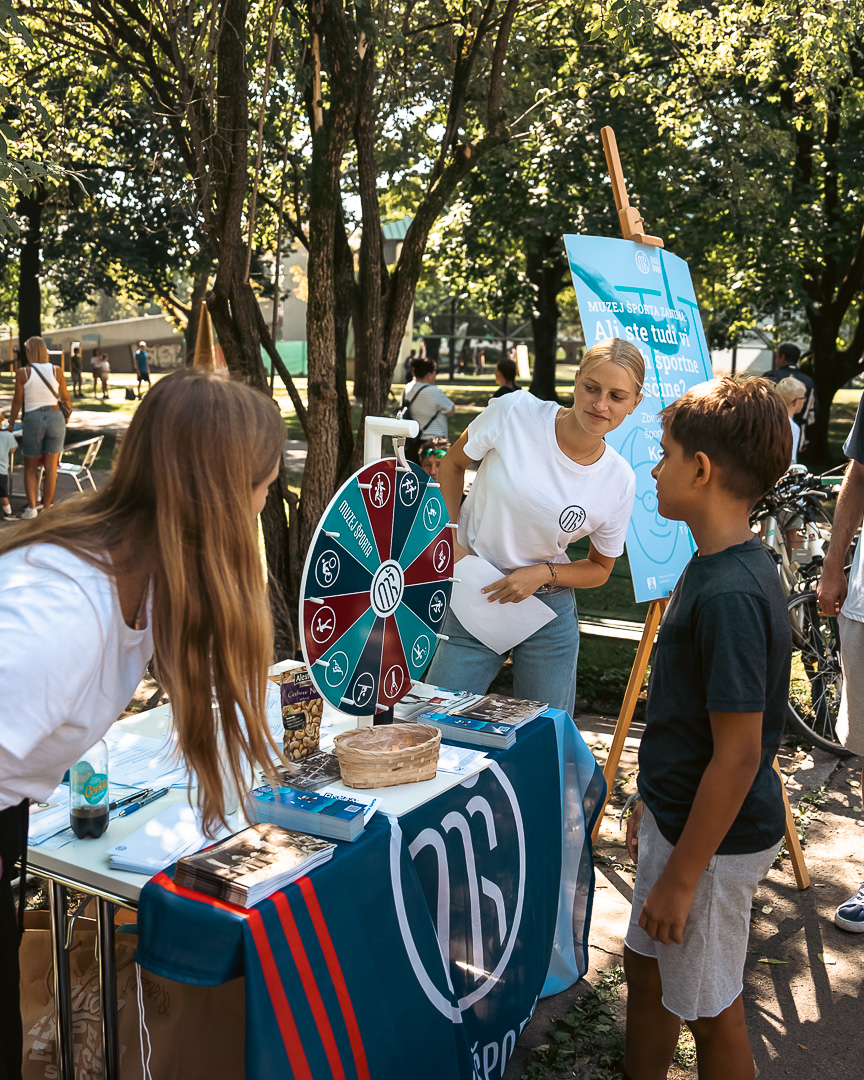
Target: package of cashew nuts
x=301, y=714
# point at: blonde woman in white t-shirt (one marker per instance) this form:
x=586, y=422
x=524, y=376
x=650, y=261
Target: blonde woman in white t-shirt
x=546, y=479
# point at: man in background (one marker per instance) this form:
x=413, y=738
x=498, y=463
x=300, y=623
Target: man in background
x=786, y=360
x=142, y=366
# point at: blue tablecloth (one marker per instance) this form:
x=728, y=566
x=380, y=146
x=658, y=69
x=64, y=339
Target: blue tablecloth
x=422, y=948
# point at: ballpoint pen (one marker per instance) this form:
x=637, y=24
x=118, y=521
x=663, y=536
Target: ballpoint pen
x=136, y=795
x=127, y=810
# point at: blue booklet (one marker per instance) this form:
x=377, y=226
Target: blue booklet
x=475, y=732
x=333, y=816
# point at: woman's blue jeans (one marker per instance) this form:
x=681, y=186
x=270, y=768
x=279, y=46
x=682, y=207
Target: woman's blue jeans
x=544, y=665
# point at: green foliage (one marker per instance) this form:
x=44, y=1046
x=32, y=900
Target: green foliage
x=587, y=1041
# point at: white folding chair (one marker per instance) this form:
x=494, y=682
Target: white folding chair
x=82, y=471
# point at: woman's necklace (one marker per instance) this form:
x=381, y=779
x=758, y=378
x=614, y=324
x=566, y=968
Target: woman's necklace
x=582, y=459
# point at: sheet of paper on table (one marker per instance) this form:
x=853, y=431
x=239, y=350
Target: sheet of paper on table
x=458, y=759
x=498, y=626
x=161, y=841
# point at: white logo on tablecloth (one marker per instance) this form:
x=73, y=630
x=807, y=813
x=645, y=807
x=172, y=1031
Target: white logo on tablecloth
x=463, y=846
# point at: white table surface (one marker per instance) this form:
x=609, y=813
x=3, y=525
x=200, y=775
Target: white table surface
x=85, y=861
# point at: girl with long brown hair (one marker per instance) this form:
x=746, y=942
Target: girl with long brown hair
x=163, y=561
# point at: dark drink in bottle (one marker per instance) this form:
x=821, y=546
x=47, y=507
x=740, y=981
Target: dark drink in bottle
x=88, y=793
x=89, y=822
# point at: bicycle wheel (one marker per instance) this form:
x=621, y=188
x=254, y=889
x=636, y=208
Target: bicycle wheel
x=816, y=684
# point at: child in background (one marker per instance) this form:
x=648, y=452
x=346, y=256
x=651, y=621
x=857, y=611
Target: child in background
x=8, y=443
x=794, y=394
x=104, y=372
x=430, y=454
x=712, y=817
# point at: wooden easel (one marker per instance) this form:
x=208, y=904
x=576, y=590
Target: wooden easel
x=631, y=229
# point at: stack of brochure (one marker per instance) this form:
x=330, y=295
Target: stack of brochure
x=323, y=813
x=474, y=732
x=253, y=864
x=491, y=720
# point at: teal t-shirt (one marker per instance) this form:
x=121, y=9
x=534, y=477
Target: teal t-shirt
x=725, y=645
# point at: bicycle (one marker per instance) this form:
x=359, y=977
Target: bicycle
x=793, y=513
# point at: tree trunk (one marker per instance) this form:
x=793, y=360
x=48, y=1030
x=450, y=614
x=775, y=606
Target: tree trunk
x=197, y=297
x=546, y=269
x=29, y=289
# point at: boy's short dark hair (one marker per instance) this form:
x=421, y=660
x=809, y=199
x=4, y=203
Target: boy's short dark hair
x=421, y=368
x=790, y=351
x=742, y=427
x=507, y=367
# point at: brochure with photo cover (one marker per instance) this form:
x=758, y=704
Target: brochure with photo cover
x=423, y=697
x=497, y=709
x=310, y=774
x=252, y=864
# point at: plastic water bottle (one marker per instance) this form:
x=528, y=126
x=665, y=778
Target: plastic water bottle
x=88, y=793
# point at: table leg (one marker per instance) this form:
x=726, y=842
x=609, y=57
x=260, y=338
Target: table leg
x=108, y=988
x=62, y=981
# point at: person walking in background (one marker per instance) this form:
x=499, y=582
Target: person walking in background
x=505, y=376
x=38, y=386
x=104, y=372
x=75, y=371
x=786, y=360
x=426, y=403
x=142, y=365
x=162, y=562
x=96, y=369
x=794, y=394
x=480, y=361
x=8, y=443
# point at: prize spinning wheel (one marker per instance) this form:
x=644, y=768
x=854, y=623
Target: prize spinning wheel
x=375, y=588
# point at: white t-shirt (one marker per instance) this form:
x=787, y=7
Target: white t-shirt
x=429, y=401
x=69, y=666
x=8, y=442
x=530, y=500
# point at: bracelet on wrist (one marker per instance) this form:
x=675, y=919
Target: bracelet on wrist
x=553, y=570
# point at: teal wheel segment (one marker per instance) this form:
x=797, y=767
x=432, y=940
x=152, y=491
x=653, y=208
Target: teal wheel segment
x=430, y=518
x=418, y=641
x=334, y=669
x=347, y=524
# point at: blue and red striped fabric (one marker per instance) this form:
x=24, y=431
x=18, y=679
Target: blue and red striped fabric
x=421, y=949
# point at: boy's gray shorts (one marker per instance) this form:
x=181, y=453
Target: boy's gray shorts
x=850, y=720
x=705, y=974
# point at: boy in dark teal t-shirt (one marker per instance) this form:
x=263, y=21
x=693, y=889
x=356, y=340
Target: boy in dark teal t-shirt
x=712, y=815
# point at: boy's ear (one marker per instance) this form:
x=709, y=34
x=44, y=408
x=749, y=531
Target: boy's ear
x=702, y=467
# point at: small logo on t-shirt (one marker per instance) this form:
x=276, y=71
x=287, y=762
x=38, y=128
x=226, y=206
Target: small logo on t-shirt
x=571, y=519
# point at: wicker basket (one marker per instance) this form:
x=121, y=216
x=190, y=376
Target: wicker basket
x=383, y=756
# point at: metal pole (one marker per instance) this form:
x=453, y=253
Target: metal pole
x=452, y=340
x=62, y=981
x=108, y=988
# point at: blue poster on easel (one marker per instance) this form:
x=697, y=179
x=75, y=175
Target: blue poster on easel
x=644, y=295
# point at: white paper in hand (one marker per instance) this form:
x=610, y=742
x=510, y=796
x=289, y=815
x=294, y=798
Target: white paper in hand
x=498, y=626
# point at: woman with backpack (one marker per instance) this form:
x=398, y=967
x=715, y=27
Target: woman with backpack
x=426, y=403
x=40, y=387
